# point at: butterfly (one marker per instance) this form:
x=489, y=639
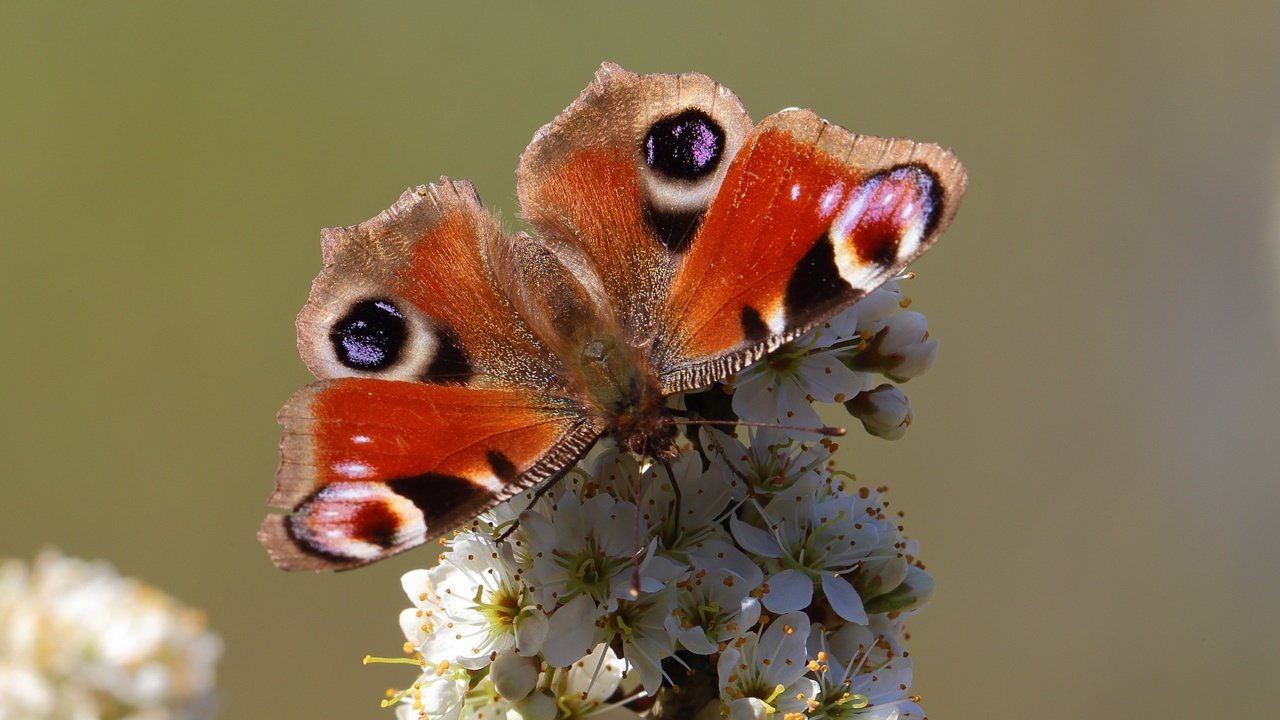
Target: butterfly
x=676, y=243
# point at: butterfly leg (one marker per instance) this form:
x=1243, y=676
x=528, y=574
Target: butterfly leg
x=675, y=490
x=538, y=492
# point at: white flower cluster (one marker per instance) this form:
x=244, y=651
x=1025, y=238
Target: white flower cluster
x=80, y=642
x=747, y=579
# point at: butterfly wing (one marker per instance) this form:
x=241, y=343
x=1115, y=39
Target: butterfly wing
x=412, y=295
x=436, y=401
x=810, y=218
x=618, y=183
x=373, y=467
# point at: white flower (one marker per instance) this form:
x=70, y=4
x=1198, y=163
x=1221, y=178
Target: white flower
x=885, y=411
x=439, y=694
x=576, y=692
x=613, y=558
x=863, y=673
x=914, y=591
x=573, y=629
x=479, y=606
x=447, y=692
x=813, y=533
x=712, y=607
x=771, y=462
x=891, y=578
x=418, y=622
x=697, y=536
x=611, y=470
x=514, y=676
x=583, y=549
x=874, y=311
x=79, y=641
x=646, y=639
x=782, y=387
x=762, y=675
x=591, y=680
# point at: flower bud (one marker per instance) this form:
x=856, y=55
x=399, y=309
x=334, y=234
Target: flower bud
x=878, y=575
x=514, y=676
x=885, y=411
x=875, y=309
x=901, y=349
x=538, y=706
x=907, y=347
x=912, y=593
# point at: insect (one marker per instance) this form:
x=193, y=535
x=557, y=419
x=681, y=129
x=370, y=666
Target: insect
x=676, y=242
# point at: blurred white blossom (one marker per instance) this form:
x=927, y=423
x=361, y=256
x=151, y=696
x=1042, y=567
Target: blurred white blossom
x=80, y=642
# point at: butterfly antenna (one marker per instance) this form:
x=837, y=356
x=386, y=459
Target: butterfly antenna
x=824, y=430
x=636, y=491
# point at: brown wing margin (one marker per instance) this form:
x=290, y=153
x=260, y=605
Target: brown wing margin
x=370, y=468
x=810, y=218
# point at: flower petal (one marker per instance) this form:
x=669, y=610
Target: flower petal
x=843, y=598
x=531, y=630
x=789, y=590
x=754, y=540
x=570, y=632
x=415, y=583
x=694, y=639
x=749, y=709
x=830, y=380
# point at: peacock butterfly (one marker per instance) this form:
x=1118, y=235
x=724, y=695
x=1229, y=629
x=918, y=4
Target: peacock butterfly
x=677, y=242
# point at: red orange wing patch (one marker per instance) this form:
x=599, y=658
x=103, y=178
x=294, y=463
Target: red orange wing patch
x=374, y=467
x=810, y=218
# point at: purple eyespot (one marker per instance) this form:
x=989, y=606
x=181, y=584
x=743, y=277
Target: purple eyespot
x=684, y=146
x=370, y=336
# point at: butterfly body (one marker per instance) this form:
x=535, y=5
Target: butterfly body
x=675, y=243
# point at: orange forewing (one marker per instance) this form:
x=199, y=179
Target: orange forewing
x=755, y=233
x=756, y=273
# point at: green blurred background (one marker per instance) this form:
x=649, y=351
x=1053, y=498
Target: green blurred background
x=1093, y=471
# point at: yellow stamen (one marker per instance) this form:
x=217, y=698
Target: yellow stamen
x=370, y=659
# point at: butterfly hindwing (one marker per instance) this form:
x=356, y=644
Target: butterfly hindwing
x=372, y=467
x=809, y=219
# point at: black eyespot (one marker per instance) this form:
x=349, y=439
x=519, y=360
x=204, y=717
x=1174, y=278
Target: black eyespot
x=370, y=336
x=684, y=146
